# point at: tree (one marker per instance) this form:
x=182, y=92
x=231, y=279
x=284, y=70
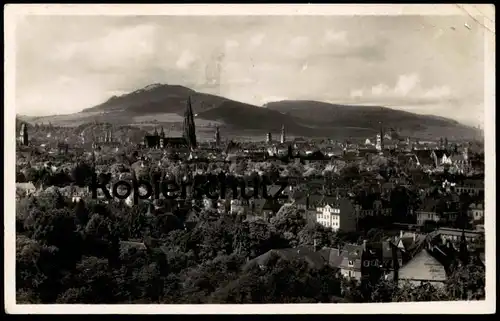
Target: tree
x=37, y=275
x=290, y=220
x=467, y=282
x=314, y=233
x=82, y=213
x=91, y=283
x=82, y=174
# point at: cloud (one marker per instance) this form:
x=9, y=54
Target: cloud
x=186, y=59
x=299, y=41
x=406, y=83
x=344, y=59
x=331, y=36
x=408, y=86
x=438, y=92
x=232, y=44
x=356, y=93
x=116, y=48
x=256, y=40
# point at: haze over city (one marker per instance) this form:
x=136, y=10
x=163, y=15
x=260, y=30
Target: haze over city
x=423, y=64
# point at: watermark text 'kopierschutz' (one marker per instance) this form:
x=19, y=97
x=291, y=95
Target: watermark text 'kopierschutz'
x=212, y=188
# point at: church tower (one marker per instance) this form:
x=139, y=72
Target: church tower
x=269, y=138
x=24, y=134
x=189, y=126
x=283, y=138
x=380, y=139
x=217, y=136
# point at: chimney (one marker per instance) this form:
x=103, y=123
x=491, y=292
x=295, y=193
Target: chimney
x=364, y=245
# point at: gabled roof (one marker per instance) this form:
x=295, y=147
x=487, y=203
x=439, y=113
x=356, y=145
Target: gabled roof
x=314, y=200
x=440, y=153
x=429, y=205
x=332, y=256
x=25, y=186
x=424, y=267
x=329, y=200
x=314, y=259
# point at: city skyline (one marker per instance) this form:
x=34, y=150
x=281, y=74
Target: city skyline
x=256, y=59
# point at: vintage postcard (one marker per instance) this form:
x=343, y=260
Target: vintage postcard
x=247, y=159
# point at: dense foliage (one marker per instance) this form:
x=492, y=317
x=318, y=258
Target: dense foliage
x=72, y=253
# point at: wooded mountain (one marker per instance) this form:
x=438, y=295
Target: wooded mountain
x=162, y=102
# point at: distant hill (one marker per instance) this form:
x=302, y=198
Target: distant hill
x=163, y=103
x=356, y=116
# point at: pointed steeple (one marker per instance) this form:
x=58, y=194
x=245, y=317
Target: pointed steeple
x=189, y=126
x=155, y=133
x=162, y=132
x=217, y=136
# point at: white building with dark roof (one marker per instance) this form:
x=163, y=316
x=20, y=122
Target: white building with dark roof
x=336, y=213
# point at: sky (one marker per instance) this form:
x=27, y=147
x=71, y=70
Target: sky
x=423, y=64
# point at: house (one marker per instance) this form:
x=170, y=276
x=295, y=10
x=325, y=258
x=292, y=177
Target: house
x=347, y=259
x=461, y=162
x=476, y=211
x=308, y=204
x=470, y=186
x=260, y=207
x=384, y=256
x=422, y=268
x=273, y=190
x=336, y=213
x=454, y=235
x=314, y=258
x=386, y=188
x=377, y=209
x=25, y=189
x=409, y=243
x=75, y=193
x=239, y=206
x=441, y=157
x=423, y=157
x=428, y=212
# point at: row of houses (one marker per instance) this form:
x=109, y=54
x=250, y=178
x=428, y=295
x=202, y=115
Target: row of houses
x=408, y=257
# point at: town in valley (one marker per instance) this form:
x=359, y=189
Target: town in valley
x=346, y=155
x=385, y=218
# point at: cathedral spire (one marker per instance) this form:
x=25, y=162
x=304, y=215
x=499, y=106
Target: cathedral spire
x=189, y=126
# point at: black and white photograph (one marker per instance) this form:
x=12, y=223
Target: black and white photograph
x=187, y=157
